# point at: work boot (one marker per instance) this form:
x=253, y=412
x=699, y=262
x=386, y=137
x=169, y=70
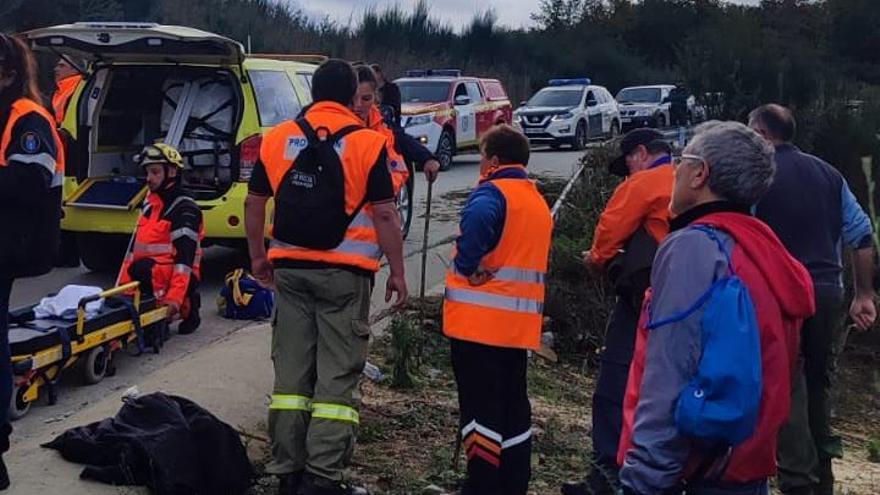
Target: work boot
x=189, y=325
x=315, y=485
x=576, y=488
x=290, y=483
x=4, y=475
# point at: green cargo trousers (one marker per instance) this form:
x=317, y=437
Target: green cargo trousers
x=806, y=443
x=319, y=347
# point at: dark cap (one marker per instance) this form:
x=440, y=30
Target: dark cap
x=632, y=140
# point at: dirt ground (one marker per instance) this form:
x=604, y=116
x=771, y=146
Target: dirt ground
x=407, y=436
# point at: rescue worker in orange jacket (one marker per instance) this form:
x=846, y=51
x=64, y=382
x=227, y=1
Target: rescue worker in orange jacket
x=492, y=313
x=334, y=218
x=31, y=171
x=165, y=255
x=402, y=148
x=67, y=78
x=627, y=234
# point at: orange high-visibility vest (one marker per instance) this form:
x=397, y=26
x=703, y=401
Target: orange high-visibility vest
x=55, y=165
x=508, y=310
x=154, y=240
x=65, y=89
x=358, y=151
x=396, y=162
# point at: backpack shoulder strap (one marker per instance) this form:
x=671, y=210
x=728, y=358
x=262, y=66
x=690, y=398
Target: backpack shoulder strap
x=681, y=315
x=307, y=130
x=312, y=135
x=345, y=131
x=713, y=234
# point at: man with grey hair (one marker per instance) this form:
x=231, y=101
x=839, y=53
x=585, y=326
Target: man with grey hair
x=722, y=173
x=807, y=444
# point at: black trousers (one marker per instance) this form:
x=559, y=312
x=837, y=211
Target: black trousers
x=142, y=271
x=496, y=417
x=608, y=397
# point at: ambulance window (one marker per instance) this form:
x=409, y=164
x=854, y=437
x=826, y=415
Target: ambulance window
x=276, y=98
x=474, y=92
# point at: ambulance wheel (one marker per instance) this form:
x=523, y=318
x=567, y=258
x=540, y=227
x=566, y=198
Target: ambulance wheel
x=95, y=364
x=445, y=150
x=18, y=408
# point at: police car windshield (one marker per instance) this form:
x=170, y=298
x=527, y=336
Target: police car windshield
x=556, y=98
x=423, y=91
x=639, y=95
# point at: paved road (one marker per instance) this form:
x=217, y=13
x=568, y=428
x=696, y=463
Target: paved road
x=449, y=193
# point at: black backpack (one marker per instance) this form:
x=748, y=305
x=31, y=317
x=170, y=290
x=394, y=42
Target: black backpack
x=310, y=203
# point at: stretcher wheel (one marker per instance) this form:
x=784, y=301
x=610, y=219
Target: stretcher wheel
x=18, y=408
x=95, y=364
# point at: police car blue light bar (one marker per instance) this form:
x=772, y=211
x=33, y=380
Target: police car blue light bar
x=569, y=82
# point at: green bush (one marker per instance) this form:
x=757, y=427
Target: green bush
x=578, y=302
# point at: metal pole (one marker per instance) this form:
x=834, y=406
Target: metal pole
x=425, y=242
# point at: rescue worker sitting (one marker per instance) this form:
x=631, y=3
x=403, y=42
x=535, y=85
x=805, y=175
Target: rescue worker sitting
x=628, y=232
x=166, y=252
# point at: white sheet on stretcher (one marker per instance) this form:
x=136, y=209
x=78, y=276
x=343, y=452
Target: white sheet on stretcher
x=63, y=305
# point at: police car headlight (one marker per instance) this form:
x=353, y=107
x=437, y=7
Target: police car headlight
x=420, y=120
x=563, y=116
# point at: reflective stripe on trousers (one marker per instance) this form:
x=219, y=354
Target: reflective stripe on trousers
x=507, y=303
x=335, y=412
x=348, y=246
x=290, y=402
x=322, y=410
x=512, y=275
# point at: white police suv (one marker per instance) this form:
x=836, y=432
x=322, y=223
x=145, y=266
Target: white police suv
x=569, y=111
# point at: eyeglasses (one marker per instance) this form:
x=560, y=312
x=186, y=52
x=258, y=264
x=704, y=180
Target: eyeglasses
x=695, y=158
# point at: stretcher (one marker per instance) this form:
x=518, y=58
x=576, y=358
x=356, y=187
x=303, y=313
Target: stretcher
x=43, y=348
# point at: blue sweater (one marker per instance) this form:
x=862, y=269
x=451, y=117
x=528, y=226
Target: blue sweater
x=813, y=211
x=482, y=221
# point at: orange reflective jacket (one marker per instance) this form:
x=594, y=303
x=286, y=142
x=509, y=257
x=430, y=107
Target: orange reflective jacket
x=508, y=310
x=154, y=240
x=358, y=151
x=396, y=162
x=642, y=199
x=55, y=165
x=64, y=90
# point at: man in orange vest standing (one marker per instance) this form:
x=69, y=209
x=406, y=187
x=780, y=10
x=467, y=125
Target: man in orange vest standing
x=492, y=314
x=165, y=255
x=67, y=78
x=334, y=218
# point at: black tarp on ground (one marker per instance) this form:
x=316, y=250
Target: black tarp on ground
x=167, y=443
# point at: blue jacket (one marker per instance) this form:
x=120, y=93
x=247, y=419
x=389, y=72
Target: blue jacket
x=482, y=221
x=813, y=211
